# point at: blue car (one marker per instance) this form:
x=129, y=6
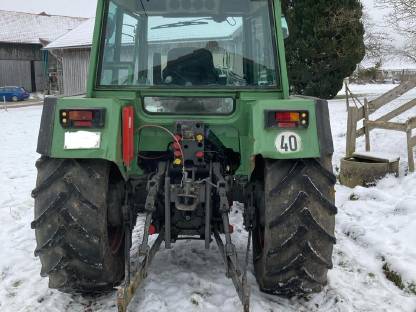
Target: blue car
x=13, y=94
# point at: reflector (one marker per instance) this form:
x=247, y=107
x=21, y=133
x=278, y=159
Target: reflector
x=128, y=135
x=152, y=229
x=287, y=124
x=82, y=124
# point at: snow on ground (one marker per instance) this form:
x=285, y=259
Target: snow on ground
x=375, y=228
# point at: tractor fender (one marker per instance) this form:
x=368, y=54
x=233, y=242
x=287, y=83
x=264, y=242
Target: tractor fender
x=326, y=143
x=312, y=142
x=52, y=135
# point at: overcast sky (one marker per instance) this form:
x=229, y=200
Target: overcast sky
x=83, y=8
x=86, y=8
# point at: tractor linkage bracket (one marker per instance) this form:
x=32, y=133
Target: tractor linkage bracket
x=234, y=272
x=153, y=187
x=228, y=251
x=126, y=293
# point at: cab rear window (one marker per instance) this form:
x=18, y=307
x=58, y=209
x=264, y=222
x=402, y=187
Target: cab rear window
x=189, y=105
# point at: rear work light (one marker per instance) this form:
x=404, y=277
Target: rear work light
x=82, y=118
x=287, y=119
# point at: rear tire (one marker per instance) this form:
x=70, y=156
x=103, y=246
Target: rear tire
x=15, y=99
x=293, y=236
x=78, y=248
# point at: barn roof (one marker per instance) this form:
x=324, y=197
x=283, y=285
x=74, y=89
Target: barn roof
x=18, y=27
x=82, y=35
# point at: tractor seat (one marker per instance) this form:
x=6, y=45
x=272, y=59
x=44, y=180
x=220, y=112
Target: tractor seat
x=190, y=66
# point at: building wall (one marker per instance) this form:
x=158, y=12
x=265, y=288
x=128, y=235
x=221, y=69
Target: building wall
x=22, y=65
x=20, y=52
x=15, y=73
x=75, y=63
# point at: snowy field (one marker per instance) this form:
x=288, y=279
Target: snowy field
x=376, y=232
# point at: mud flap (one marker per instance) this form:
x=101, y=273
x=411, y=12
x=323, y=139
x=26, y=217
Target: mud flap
x=46, y=127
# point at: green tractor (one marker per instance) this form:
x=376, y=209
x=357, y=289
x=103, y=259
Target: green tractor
x=187, y=111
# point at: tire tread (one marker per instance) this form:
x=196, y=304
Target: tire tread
x=71, y=229
x=299, y=230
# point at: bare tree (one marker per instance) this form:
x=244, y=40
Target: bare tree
x=403, y=19
x=377, y=43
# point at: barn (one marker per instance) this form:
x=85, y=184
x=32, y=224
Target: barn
x=23, y=62
x=73, y=53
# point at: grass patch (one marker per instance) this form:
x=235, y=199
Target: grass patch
x=393, y=276
x=354, y=197
x=397, y=280
x=16, y=284
x=412, y=288
x=194, y=302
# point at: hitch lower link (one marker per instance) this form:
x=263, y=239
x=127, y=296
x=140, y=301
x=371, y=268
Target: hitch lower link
x=126, y=293
x=228, y=251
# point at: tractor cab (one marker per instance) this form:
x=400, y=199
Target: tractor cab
x=189, y=44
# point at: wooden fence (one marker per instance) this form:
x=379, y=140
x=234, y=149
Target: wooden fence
x=358, y=111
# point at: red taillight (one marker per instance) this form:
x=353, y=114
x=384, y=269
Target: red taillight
x=80, y=115
x=82, y=118
x=287, y=119
x=282, y=116
x=128, y=135
x=200, y=154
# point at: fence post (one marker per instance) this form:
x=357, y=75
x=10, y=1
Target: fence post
x=366, y=128
x=4, y=103
x=347, y=93
x=351, y=130
x=410, y=157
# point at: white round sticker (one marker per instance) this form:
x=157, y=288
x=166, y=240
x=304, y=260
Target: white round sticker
x=288, y=142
